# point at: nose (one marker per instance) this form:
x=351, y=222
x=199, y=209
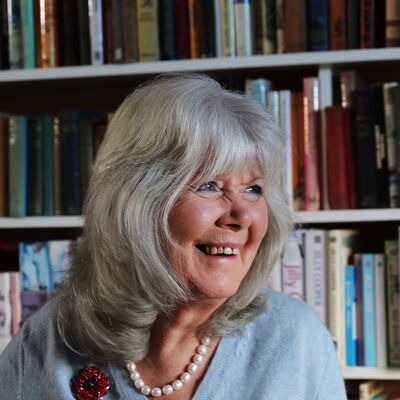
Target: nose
x=236, y=213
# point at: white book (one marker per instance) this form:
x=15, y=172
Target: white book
x=380, y=307
x=243, y=25
x=341, y=244
x=293, y=266
x=5, y=305
x=285, y=121
x=315, y=271
x=96, y=31
x=228, y=28
x=218, y=28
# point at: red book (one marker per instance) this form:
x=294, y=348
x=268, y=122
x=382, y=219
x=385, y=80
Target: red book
x=182, y=30
x=337, y=24
x=339, y=158
x=312, y=128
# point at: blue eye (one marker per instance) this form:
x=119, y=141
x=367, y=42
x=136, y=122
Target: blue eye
x=209, y=190
x=253, y=193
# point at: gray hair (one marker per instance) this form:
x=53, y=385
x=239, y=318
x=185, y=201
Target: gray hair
x=166, y=134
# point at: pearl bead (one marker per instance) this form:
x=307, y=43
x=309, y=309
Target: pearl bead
x=197, y=359
x=156, y=392
x=139, y=383
x=177, y=384
x=146, y=390
x=205, y=340
x=202, y=349
x=167, y=389
x=131, y=366
x=135, y=375
x=192, y=368
x=185, y=377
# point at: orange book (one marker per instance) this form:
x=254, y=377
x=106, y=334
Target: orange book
x=194, y=28
x=47, y=33
x=392, y=23
x=337, y=24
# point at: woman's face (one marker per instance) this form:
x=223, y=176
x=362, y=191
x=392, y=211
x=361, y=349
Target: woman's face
x=227, y=215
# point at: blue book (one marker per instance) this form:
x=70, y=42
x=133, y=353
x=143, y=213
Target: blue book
x=17, y=166
x=58, y=251
x=167, y=30
x=318, y=25
x=351, y=331
x=48, y=183
x=28, y=34
x=258, y=89
x=369, y=311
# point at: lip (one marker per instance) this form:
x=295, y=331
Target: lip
x=231, y=245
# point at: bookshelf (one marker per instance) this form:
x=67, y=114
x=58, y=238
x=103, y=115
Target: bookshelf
x=75, y=80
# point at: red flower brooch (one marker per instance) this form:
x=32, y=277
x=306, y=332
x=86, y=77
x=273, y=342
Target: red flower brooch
x=90, y=384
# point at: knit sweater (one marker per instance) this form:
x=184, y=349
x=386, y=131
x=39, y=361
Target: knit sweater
x=284, y=353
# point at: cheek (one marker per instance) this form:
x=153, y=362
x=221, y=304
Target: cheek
x=260, y=216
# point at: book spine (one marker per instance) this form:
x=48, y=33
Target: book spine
x=3, y=165
x=182, y=29
x=4, y=48
x=396, y=100
x=260, y=26
x=96, y=31
x=48, y=168
x=57, y=165
x=117, y=31
x=147, y=24
x=195, y=28
x=311, y=143
x=5, y=305
x=367, y=24
x=294, y=26
x=207, y=30
x=271, y=27
x=318, y=22
x=167, y=30
x=359, y=310
x=392, y=23
x=337, y=22
x=28, y=34
x=47, y=38
x=393, y=302
x=380, y=305
x=218, y=28
x=258, y=89
x=68, y=27
x=315, y=260
x=369, y=311
x=243, y=25
x=227, y=28
x=84, y=33
x=353, y=24
x=351, y=344
x=15, y=302
x=107, y=31
x=280, y=26
x=293, y=267
x=130, y=32
x=14, y=34
x=18, y=168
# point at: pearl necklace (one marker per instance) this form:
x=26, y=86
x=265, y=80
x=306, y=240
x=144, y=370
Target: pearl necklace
x=177, y=384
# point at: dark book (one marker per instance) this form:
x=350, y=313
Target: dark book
x=107, y=31
x=3, y=166
x=359, y=310
x=15, y=34
x=380, y=147
x=271, y=25
x=70, y=162
x=372, y=14
x=48, y=168
x=86, y=153
x=167, y=30
x=130, y=32
x=117, y=35
x=365, y=148
x=353, y=28
x=207, y=32
x=182, y=33
x=318, y=25
x=295, y=26
x=35, y=166
x=339, y=158
x=4, y=53
x=337, y=24
x=395, y=93
x=84, y=34
x=68, y=33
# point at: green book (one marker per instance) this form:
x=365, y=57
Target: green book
x=28, y=34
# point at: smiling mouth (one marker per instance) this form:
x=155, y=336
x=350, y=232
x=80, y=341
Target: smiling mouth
x=218, y=251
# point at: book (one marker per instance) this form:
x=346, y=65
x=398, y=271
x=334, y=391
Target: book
x=243, y=28
x=147, y=27
x=293, y=266
x=337, y=25
x=167, y=29
x=195, y=21
x=68, y=28
x=86, y=154
x=47, y=34
x=17, y=166
x=353, y=24
x=368, y=390
x=96, y=32
x=357, y=259
x=312, y=193
x=349, y=82
x=318, y=25
x=218, y=28
x=258, y=89
x=5, y=306
x=57, y=165
x=207, y=29
x=372, y=23
x=107, y=27
x=315, y=242
x=4, y=48
x=182, y=29
x=3, y=165
x=84, y=33
x=117, y=31
x=351, y=331
x=28, y=34
x=130, y=31
x=227, y=28
x=48, y=167
x=369, y=309
x=339, y=159
x=341, y=244
x=14, y=34
x=393, y=302
x=395, y=94
x=392, y=23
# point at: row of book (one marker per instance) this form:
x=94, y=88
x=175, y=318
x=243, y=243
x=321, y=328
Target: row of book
x=374, y=390
x=42, y=266
x=344, y=156
x=49, y=33
x=46, y=161
x=355, y=294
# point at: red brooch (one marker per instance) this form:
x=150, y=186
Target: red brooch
x=90, y=384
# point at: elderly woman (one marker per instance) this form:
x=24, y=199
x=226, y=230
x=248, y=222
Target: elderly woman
x=184, y=217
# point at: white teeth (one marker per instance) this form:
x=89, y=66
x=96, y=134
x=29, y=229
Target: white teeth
x=222, y=250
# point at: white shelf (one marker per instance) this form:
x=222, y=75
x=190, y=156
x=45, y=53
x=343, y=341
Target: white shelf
x=371, y=373
x=334, y=216
x=341, y=57
x=41, y=222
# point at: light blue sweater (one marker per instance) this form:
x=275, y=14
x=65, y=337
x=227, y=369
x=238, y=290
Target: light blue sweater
x=284, y=354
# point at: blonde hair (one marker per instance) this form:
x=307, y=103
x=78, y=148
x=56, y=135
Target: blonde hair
x=167, y=133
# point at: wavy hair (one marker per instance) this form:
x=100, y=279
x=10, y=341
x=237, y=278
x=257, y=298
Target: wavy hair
x=173, y=130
